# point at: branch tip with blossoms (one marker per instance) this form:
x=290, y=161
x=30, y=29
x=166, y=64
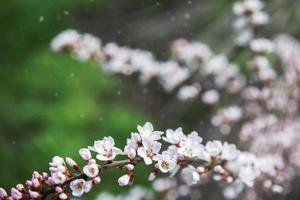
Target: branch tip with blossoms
x=183, y=154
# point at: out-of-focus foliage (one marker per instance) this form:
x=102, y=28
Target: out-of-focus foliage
x=50, y=104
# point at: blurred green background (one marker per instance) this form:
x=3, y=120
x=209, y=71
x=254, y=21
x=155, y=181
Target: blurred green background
x=52, y=104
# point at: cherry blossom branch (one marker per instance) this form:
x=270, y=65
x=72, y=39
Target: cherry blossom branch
x=115, y=164
x=186, y=72
x=184, y=154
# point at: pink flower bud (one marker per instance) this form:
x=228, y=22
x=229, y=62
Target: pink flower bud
x=3, y=193
x=229, y=179
x=130, y=167
x=71, y=162
x=58, y=189
x=131, y=154
x=20, y=187
x=33, y=194
x=29, y=183
x=124, y=180
x=219, y=169
x=200, y=169
x=16, y=194
x=96, y=180
x=268, y=183
x=152, y=176
x=35, y=183
x=35, y=174
x=63, y=196
x=85, y=153
x=45, y=175
x=136, y=137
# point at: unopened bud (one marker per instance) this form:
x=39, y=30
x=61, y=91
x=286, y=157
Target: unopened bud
x=71, y=162
x=200, y=169
x=3, y=193
x=85, y=153
x=29, y=183
x=130, y=167
x=58, y=189
x=33, y=194
x=229, y=179
x=131, y=154
x=124, y=180
x=219, y=169
x=152, y=176
x=35, y=183
x=63, y=196
x=96, y=180
x=20, y=187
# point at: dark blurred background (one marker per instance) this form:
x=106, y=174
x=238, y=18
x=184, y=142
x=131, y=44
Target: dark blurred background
x=52, y=104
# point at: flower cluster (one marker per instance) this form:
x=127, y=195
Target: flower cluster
x=250, y=18
x=175, y=75
x=184, y=154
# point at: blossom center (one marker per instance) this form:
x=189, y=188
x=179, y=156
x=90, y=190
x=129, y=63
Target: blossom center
x=165, y=164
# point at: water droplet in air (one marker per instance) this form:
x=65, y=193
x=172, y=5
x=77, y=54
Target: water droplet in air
x=187, y=16
x=41, y=18
x=66, y=12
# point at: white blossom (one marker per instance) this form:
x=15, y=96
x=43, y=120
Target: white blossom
x=188, y=92
x=191, y=147
x=233, y=190
x=80, y=186
x=165, y=162
x=262, y=45
x=190, y=175
x=211, y=97
x=216, y=65
x=106, y=149
x=244, y=37
x=247, y=175
x=259, y=18
x=58, y=178
x=189, y=52
x=91, y=170
x=174, y=136
x=57, y=161
x=147, y=132
x=68, y=38
x=88, y=47
x=229, y=152
x=214, y=148
x=149, y=150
